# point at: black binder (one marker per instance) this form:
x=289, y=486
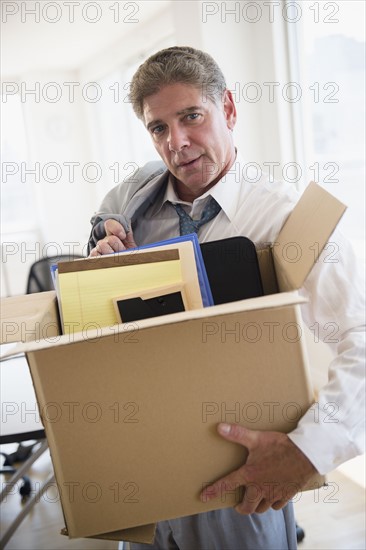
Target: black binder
x=232, y=269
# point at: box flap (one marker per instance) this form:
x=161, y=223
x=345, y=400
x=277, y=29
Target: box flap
x=29, y=317
x=304, y=236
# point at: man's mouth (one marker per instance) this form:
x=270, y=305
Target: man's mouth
x=188, y=163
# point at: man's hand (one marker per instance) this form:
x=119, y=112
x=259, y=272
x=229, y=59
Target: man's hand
x=275, y=470
x=116, y=239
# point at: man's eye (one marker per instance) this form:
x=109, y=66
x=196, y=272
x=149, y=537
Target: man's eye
x=193, y=116
x=157, y=129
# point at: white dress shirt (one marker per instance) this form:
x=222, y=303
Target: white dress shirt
x=332, y=431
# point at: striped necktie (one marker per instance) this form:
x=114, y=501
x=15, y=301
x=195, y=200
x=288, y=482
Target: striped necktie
x=187, y=225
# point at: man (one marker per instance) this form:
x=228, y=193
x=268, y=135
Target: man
x=180, y=95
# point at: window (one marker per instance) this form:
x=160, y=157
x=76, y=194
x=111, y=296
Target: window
x=19, y=229
x=331, y=43
x=120, y=141
x=17, y=208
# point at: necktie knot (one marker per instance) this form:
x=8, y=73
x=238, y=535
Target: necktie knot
x=187, y=225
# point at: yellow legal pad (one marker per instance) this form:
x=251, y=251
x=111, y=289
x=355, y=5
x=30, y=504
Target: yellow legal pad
x=87, y=288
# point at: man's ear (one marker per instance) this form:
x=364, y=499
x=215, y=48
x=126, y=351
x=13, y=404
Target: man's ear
x=229, y=109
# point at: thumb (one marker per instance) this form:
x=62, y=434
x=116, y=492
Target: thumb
x=129, y=241
x=238, y=434
x=113, y=227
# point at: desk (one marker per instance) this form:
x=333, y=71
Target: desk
x=20, y=421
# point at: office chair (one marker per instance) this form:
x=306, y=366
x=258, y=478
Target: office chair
x=39, y=278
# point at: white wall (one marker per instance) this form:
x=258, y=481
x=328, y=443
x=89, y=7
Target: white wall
x=57, y=133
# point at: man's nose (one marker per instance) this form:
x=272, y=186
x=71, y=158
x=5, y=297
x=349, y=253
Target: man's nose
x=177, y=139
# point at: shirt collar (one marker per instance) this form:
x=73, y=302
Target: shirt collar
x=226, y=191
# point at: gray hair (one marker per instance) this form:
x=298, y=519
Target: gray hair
x=179, y=64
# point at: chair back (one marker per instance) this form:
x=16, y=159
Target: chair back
x=39, y=278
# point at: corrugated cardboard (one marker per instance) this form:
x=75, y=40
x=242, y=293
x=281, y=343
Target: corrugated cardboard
x=28, y=318
x=130, y=412
x=304, y=236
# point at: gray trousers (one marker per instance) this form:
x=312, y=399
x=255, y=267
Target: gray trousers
x=227, y=530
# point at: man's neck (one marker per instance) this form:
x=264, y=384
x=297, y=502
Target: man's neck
x=186, y=194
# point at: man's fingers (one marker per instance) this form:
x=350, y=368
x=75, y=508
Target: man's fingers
x=114, y=228
x=263, y=506
x=113, y=243
x=247, y=507
x=226, y=484
x=94, y=252
x=260, y=493
x=267, y=474
x=236, y=479
x=238, y=434
x=253, y=500
x=279, y=504
x=109, y=245
x=256, y=499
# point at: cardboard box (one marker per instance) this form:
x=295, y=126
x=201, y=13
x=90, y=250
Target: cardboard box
x=130, y=411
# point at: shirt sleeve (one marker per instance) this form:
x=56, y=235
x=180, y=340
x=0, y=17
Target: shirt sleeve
x=332, y=430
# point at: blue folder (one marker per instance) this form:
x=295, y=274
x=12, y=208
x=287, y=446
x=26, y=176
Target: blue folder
x=205, y=288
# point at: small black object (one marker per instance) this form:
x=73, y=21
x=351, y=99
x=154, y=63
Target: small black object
x=300, y=533
x=26, y=487
x=22, y=454
x=134, y=309
x=232, y=269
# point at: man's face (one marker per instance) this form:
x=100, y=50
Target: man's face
x=192, y=135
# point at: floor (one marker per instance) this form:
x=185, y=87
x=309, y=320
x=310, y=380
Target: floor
x=333, y=518
x=40, y=530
